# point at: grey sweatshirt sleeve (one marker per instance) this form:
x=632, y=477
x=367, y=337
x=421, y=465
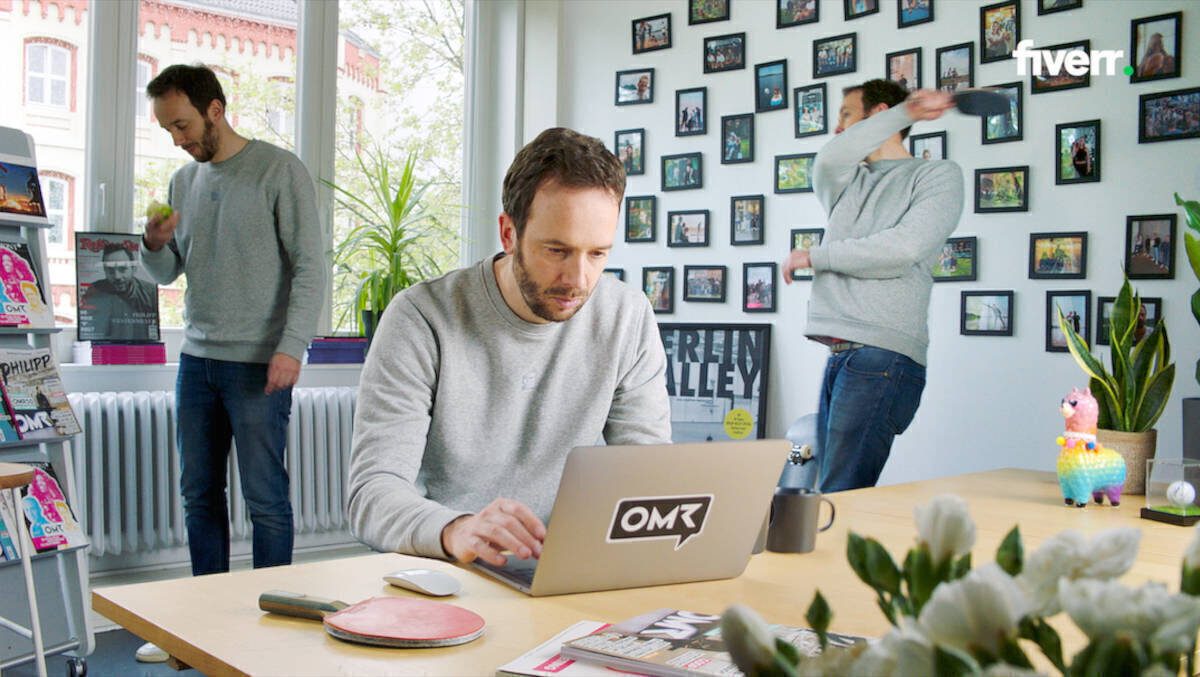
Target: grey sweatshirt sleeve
x=165, y=264
x=299, y=232
x=641, y=410
x=838, y=160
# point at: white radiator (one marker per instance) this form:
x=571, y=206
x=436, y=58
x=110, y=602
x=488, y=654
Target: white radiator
x=127, y=469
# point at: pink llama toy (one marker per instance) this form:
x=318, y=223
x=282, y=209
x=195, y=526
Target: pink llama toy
x=1084, y=467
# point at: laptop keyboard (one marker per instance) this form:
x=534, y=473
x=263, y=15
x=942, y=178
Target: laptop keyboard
x=515, y=568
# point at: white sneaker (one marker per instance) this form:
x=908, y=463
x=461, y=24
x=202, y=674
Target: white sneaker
x=150, y=653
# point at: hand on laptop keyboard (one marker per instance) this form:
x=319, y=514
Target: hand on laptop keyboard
x=504, y=525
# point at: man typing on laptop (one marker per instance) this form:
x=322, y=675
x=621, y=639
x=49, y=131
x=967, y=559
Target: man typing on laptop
x=480, y=381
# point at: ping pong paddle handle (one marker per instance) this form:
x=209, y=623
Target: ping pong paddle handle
x=298, y=605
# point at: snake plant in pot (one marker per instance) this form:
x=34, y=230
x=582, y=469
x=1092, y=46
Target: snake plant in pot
x=1133, y=393
x=1191, y=405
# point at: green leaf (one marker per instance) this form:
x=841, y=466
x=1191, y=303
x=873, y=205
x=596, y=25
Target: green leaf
x=1011, y=653
x=951, y=662
x=1192, y=211
x=1041, y=633
x=921, y=580
x=961, y=568
x=1154, y=400
x=819, y=616
x=788, y=651
x=1124, y=315
x=1190, y=581
x=1011, y=553
x=1196, y=299
x=1108, y=411
x=1090, y=365
x=856, y=554
x=883, y=571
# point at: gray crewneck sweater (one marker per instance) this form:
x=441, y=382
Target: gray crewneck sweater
x=887, y=222
x=249, y=240
x=462, y=402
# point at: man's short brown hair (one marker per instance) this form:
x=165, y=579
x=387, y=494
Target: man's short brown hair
x=875, y=92
x=563, y=155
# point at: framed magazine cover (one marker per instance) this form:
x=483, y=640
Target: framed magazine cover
x=118, y=301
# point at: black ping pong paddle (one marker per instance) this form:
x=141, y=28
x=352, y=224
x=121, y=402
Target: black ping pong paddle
x=401, y=622
x=981, y=102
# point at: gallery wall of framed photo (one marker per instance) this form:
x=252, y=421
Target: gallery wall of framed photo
x=732, y=101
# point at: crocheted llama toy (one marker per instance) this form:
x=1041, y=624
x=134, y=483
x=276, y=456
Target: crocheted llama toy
x=1084, y=467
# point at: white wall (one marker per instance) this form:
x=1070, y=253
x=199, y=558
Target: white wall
x=990, y=401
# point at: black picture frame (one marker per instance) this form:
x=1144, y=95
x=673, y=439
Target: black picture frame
x=690, y=104
x=718, y=59
x=986, y=312
x=686, y=232
x=641, y=218
x=706, y=292
x=890, y=68
x=1058, y=256
x=823, y=68
x=789, y=164
x=642, y=33
x=811, y=112
x=1080, y=301
x=628, y=90
x=104, y=262
x=790, y=13
x=1151, y=108
x=958, y=261
x=770, y=78
x=629, y=145
x=799, y=241
x=948, y=60
x=707, y=11
x=1160, y=65
x=1104, y=317
x=661, y=289
x=1010, y=126
x=985, y=190
x=1052, y=6
x=1046, y=83
x=918, y=12
x=999, y=30
x=756, y=298
x=618, y=273
x=1070, y=139
x=1148, y=254
x=682, y=171
x=747, y=219
x=737, y=139
x=919, y=143
x=857, y=9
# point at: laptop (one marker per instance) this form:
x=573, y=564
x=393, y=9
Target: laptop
x=633, y=516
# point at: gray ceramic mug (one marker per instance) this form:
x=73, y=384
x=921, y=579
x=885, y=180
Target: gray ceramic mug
x=794, y=516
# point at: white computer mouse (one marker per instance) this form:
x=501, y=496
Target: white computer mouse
x=424, y=581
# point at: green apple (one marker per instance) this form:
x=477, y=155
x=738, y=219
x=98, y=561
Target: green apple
x=158, y=209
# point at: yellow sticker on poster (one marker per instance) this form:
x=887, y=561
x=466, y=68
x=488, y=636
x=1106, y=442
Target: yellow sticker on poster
x=738, y=423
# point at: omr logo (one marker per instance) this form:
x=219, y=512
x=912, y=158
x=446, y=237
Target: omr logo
x=637, y=519
x=1075, y=62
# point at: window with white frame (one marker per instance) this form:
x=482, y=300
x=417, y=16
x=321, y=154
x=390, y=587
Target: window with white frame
x=56, y=192
x=142, y=104
x=47, y=74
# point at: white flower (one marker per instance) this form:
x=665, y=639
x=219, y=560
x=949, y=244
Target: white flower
x=981, y=609
x=1070, y=555
x=944, y=525
x=1191, y=557
x=749, y=640
x=1101, y=608
x=905, y=650
x=832, y=661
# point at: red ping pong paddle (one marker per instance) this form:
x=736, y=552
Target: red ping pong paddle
x=403, y=622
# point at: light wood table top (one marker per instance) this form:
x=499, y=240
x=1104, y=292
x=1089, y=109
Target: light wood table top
x=213, y=622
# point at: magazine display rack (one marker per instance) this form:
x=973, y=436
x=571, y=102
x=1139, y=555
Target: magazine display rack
x=60, y=577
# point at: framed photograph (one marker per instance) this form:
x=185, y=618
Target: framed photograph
x=725, y=53
x=682, y=172
x=118, y=300
x=634, y=87
x=955, y=67
x=1169, y=116
x=1154, y=47
x=1052, y=6
x=986, y=313
x=930, y=146
x=1150, y=247
x=1148, y=316
x=859, y=8
x=958, y=261
x=705, y=284
x=640, y=213
x=770, y=86
x=1045, y=82
x=836, y=55
x=1009, y=126
x=1077, y=152
x=812, y=116
x=999, y=30
x=737, y=139
x=1002, y=189
x=796, y=12
x=793, y=173
x=1058, y=256
x=687, y=228
x=1076, y=309
x=805, y=238
x=658, y=283
x=707, y=11
x=913, y=12
x=651, y=33
x=630, y=146
x=691, y=111
x=746, y=219
x=615, y=273
x=904, y=68
x=717, y=380
x=758, y=287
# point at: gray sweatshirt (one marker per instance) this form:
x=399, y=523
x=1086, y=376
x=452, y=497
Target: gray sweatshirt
x=462, y=402
x=887, y=222
x=249, y=240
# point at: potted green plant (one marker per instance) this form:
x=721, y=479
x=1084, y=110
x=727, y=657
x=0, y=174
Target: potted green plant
x=1133, y=393
x=1191, y=405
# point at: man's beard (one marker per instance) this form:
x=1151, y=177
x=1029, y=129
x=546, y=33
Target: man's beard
x=541, y=301
x=208, y=142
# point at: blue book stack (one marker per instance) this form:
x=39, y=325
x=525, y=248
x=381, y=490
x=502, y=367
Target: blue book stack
x=337, y=350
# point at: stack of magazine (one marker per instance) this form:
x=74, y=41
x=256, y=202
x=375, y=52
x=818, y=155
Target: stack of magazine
x=50, y=520
x=34, y=403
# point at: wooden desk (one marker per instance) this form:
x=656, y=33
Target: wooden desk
x=213, y=622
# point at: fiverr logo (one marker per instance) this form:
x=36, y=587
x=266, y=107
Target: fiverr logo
x=1075, y=62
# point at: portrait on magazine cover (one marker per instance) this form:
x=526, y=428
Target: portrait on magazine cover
x=117, y=299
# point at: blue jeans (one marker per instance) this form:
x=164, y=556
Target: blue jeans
x=217, y=401
x=869, y=396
